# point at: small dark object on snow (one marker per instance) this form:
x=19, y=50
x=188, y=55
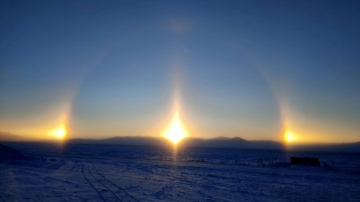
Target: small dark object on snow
x=305, y=161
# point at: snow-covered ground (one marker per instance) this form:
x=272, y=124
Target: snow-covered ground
x=109, y=173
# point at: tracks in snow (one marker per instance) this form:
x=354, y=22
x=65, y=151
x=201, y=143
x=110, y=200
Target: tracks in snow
x=106, y=189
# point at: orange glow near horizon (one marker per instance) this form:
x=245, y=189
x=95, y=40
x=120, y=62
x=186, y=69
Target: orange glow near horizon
x=59, y=132
x=176, y=131
x=289, y=136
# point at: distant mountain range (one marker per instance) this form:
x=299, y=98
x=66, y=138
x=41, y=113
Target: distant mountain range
x=127, y=140
x=235, y=142
x=340, y=147
x=219, y=142
x=6, y=137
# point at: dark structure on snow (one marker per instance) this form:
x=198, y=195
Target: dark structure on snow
x=305, y=161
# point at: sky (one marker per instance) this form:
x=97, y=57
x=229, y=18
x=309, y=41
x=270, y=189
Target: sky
x=252, y=69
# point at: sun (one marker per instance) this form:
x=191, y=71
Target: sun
x=59, y=132
x=289, y=136
x=175, y=132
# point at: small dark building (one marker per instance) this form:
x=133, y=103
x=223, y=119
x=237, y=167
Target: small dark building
x=305, y=161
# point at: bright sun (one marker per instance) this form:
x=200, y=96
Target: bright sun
x=176, y=131
x=289, y=136
x=60, y=132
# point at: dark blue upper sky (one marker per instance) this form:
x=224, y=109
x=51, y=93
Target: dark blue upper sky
x=252, y=69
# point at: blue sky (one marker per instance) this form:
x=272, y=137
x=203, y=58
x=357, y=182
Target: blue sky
x=252, y=69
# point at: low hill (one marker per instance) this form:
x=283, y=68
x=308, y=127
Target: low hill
x=7, y=153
